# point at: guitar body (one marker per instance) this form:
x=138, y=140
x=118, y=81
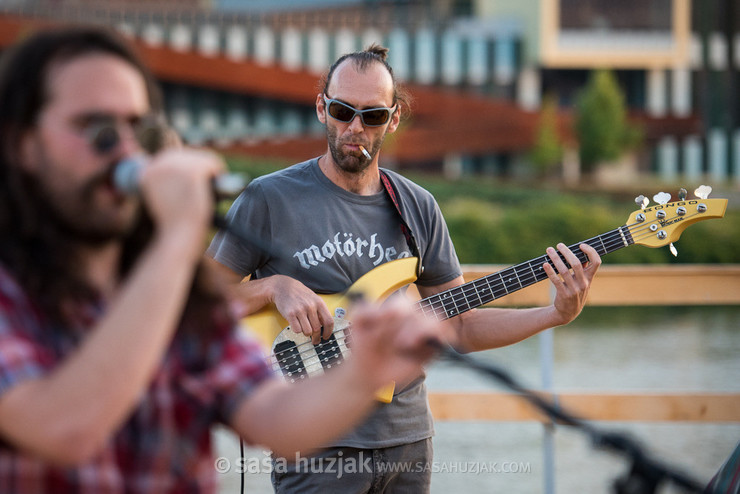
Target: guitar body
x=273, y=330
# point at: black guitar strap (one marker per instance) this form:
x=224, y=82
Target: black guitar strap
x=390, y=188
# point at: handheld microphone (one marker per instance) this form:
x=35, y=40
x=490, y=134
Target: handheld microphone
x=126, y=179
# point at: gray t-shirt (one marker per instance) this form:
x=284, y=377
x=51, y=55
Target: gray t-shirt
x=327, y=238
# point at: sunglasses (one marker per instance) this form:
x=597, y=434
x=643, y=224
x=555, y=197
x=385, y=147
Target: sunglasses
x=372, y=117
x=103, y=132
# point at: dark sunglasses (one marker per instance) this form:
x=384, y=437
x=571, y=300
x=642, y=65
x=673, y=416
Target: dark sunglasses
x=103, y=132
x=372, y=117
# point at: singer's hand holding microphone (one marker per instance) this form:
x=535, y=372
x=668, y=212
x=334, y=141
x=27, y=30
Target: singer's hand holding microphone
x=178, y=186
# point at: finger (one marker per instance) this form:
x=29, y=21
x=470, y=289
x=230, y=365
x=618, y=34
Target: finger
x=594, y=260
x=557, y=261
x=327, y=323
x=552, y=274
x=302, y=325
x=575, y=264
x=316, y=337
x=569, y=256
x=314, y=322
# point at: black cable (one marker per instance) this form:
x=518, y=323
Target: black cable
x=241, y=457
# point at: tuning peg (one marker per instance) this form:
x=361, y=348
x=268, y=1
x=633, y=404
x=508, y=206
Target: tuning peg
x=682, y=194
x=703, y=191
x=642, y=201
x=662, y=197
x=673, y=249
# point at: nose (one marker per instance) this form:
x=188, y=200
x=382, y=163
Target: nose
x=356, y=126
x=128, y=141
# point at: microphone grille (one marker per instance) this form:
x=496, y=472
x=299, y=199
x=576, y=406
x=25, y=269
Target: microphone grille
x=126, y=176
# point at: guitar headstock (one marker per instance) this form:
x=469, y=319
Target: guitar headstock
x=664, y=222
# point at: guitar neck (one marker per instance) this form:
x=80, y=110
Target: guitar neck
x=476, y=293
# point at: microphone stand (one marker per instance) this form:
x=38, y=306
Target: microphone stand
x=645, y=474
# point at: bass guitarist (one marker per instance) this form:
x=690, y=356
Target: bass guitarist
x=332, y=219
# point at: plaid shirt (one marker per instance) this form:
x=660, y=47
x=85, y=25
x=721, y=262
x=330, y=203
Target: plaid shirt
x=165, y=445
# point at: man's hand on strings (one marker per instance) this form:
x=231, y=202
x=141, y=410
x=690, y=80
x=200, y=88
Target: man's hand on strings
x=571, y=282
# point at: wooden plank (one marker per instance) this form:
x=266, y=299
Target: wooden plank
x=641, y=407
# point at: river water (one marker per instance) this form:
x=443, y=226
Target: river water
x=625, y=349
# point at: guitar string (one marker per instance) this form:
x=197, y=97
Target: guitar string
x=340, y=337
x=439, y=307
x=306, y=361
x=637, y=234
x=459, y=296
x=524, y=273
x=606, y=243
x=528, y=280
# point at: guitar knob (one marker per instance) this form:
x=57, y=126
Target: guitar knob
x=681, y=211
x=662, y=197
x=660, y=215
x=703, y=191
x=662, y=235
x=702, y=208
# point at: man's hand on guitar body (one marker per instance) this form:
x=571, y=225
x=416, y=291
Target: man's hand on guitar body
x=571, y=282
x=303, y=309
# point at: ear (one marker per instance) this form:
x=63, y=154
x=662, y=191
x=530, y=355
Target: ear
x=395, y=120
x=321, y=108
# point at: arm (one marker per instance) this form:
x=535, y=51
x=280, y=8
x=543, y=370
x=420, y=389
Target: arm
x=65, y=416
x=492, y=328
x=388, y=343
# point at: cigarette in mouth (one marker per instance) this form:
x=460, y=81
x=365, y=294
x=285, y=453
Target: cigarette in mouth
x=364, y=151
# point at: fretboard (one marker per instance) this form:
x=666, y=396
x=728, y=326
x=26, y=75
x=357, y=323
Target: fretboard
x=476, y=293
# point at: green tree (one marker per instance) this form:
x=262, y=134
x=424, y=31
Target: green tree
x=547, y=150
x=601, y=123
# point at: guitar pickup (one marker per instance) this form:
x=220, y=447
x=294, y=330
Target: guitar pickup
x=290, y=361
x=329, y=352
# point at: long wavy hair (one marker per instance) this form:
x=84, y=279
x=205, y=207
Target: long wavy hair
x=41, y=255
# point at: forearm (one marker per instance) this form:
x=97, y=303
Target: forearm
x=482, y=329
x=253, y=295
x=83, y=401
x=309, y=414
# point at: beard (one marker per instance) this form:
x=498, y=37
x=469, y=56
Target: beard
x=347, y=162
x=75, y=214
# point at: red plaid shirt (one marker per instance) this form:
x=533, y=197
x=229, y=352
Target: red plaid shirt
x=165, y=446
